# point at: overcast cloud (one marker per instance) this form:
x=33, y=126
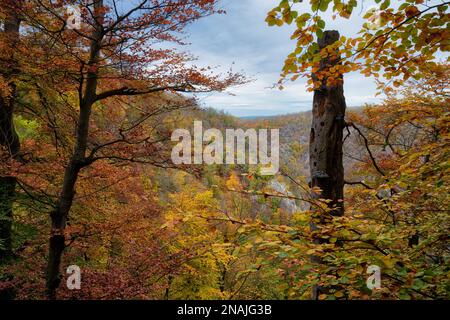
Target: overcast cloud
x=242, y=39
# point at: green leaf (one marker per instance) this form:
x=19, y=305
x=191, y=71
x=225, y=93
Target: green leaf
x=323, y=6
x=418, y=284
x=385, y=4
x=403, y=295
x=319, y=33
x=321, y=24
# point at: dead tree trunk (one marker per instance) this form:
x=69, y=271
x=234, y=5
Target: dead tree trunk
x=325, y=148
x=9, y=139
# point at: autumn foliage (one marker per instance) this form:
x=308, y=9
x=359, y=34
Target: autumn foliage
x=87, y=180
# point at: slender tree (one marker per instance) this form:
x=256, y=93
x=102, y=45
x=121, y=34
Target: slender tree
x=115, y=52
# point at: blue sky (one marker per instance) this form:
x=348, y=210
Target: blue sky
x=242, y=39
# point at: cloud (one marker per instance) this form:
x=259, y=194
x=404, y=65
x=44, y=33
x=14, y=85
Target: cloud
x=242, y=39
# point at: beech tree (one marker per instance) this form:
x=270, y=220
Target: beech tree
x=117, y=52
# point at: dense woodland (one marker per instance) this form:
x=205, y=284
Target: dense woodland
x=86, y=176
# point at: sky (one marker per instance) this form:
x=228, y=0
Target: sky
x=242, y=40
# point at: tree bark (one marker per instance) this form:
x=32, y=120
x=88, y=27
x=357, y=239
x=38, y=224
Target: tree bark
x=77, y=161
x=9, y=139
x=325, y=148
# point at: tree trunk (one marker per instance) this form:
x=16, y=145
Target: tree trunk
x=325, y=148
x=65, y=200
x=7, y=191
x=77, y=161
x=59, y=218
x=9, y=140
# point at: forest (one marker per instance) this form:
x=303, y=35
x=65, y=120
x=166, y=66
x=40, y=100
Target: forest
x=93, y=206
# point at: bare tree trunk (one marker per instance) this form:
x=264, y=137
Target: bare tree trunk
x=326, y=141
x=77, y=161
x=8, y=135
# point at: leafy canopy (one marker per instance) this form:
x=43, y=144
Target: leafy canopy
x=396, y=41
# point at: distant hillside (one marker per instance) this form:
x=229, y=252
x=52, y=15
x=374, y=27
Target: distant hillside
x=294, y=141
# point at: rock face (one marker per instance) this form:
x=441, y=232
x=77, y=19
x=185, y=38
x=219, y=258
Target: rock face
x=287, y=205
